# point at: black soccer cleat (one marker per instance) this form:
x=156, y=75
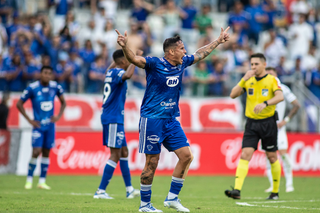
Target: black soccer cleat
x=273, y=196
x=234, y=193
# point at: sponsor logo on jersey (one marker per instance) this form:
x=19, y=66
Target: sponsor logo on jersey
x=168, y=104
x=153, y=139
x=120, y=135
x=36, y=134
x=45, y=89
x=109, y=73
x=45, y=121
x=265, y=92
x=46, y=105
x=172, y=81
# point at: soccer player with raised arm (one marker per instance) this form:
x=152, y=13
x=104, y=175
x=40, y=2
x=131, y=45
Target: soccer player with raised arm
x=159, y=109
x=42, y=94
x=263, y=94
x=112, y=119
x=282, y=134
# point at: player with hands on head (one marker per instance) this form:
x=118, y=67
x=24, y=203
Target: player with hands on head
x=263, y=93
x=112, y=119
x=159, y=109
x=42, y=94
x=282, y=135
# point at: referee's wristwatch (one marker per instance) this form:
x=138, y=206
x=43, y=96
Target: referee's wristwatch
x=266, y=103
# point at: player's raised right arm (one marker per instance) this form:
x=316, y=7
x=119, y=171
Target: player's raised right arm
x=131, y=57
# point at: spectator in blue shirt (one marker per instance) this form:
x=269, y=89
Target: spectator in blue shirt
x=31, y=71
x=14, y=27
x=187, y=30
x=5, y=10
x=3, y=75
x=238, y=17
x=97, y=74
x=88, y=56
x=66, y=38
x=256, y=19
x=270, y=10
x=63, y=71
x=14, y=75
x=76, y=62
x=141, y=10
x=217, y=88
x=52, y=49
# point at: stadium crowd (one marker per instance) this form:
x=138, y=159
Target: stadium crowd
x=80, y=53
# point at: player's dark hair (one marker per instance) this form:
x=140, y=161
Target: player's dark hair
x=46, y=67
x=170, y=42
x=258, y=55
x=118, y=54
x=271, y=68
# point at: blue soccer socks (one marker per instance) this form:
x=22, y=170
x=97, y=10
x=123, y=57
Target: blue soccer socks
x=176, y=185
x=124, y=167
x=107, y=174
x=45, y=161
x=145, y=193
x=32, y=167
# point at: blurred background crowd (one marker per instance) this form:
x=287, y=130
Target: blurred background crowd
x=77, y=38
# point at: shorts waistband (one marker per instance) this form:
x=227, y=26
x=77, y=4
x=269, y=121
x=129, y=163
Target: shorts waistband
x=261, y=120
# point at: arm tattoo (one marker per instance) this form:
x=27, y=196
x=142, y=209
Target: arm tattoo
x=205, y=50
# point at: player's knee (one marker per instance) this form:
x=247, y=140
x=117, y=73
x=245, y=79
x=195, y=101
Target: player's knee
x=124, y=152
x=187, y=157
x=115, y=155
x=272, y=159
x=36, y=152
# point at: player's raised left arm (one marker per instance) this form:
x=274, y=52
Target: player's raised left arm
x=204, y=51
x=131, y=57
x=62, y=107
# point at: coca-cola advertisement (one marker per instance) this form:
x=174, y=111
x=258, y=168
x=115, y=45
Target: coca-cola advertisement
x=214, y=154
x=83, y=112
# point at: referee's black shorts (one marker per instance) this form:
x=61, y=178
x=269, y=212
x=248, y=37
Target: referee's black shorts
x=265, y=129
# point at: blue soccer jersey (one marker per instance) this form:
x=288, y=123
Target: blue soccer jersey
x=42, y=98
x=114, y=97
x=161, y=98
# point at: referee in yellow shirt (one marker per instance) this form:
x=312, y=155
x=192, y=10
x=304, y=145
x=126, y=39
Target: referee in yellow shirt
x=263, y=93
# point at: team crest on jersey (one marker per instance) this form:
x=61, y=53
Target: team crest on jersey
x=265, y=92
x=149, y=147
x=172, y=81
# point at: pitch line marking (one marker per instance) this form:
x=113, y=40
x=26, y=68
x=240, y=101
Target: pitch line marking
x=281, y=207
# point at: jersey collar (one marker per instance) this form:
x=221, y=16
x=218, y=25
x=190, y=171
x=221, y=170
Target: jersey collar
x=258, y=79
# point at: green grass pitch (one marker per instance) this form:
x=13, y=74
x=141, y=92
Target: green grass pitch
x=199, y=194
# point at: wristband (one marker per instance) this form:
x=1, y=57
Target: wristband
x=287, y=119
x=266, y=103
x=242, y=83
